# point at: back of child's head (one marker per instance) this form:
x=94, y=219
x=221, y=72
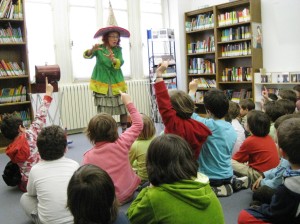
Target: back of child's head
x=288, y=105
x=10, y=126
x=169, y=159
x=182, y=103
x=102, y=127
x=91, y=196
x=216, y=102
x=274, y=110
x=258, y=123
x=288, y=94
x=148, y=129
x=52, y=143
x=273, y=96
x=288, y=134
x=233, y=111
x=285, y=117
x=297, y=88
x=247, y=104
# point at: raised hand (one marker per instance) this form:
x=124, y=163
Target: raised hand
x=193, y=86
x=162, y=68
x=265, y=93
x=125, y=98
x=49, y=87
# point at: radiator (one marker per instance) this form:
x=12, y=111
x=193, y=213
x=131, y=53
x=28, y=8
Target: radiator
x=78, y=108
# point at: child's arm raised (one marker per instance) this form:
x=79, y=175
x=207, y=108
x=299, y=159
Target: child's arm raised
x=133, y=132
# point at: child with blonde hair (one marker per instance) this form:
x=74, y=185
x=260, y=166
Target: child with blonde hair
x=111, y=151
x=138, y=150
x=176, y=109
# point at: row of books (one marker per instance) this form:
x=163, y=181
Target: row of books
x=202, y=46
x=234, y=17
x=11, y=68
x=238, y=95
x=201, y=21
x=237, y=74
x=241, y=32
x=9, y=95
x=277, y=77
x=11, y=9
x=238, y=49
x=206, y=83
x=23, y=114
x=11, y=35
x=202, y=66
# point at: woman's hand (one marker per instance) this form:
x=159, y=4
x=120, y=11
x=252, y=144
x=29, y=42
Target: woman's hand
x=95, y=47
x=256, y=183
x=111, y=56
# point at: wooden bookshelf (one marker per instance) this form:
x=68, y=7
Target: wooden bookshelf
x=237, y=52
x=13, y=48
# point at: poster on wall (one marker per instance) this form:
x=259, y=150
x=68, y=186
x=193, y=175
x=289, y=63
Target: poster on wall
x=257, y=35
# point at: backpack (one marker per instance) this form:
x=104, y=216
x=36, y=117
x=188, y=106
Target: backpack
x=11, y=174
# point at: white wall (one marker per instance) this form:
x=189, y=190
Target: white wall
x=281, y=32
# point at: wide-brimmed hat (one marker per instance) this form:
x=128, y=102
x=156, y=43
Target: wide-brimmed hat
x=112, y=26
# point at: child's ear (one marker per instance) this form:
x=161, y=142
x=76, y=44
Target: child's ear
x=21, y=128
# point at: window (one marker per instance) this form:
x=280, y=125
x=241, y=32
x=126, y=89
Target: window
x=39, y=35
x=151, y=18
x=82, y=23
x=68, y=27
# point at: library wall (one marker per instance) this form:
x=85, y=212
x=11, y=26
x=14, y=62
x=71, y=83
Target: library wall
x=280, y=41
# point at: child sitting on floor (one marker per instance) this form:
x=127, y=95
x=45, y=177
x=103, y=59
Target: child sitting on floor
x=258, y=153
x=284, y=207
x=176, y=109
x=92, y=198
x=231, y=116
x=138, y=150
x=23, y=150
x=111, y=151
x=266, y=185
x=46, y=197
x=246, y=105
x=215, y=156
x=177, y=194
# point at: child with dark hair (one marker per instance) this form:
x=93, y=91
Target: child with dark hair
x=287, y=94
x=246, y=105
x=91, y=197
x=138, y=150
x=111, y=151
x=274, y=111
x=176, y=109
x=177, y=194
x=23, y=150
x=215, y=156
x=288, y=105
x=284, y=206
x=46, y=197
x=231, y=116
x=266, y=185
x=258, y=153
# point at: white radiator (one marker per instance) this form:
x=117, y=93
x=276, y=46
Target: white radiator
x=78, y=103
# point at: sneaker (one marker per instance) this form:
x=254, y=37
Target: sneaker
x=223, y=190
x=239, y=183
x=245, y=182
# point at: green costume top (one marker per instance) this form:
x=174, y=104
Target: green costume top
x=182, y=202
x=105, y=73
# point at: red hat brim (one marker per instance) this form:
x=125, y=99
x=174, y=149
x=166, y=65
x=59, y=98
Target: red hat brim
x=123, y=32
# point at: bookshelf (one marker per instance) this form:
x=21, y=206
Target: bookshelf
x=14, y=69
x=232, y=36
x=161, y=47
